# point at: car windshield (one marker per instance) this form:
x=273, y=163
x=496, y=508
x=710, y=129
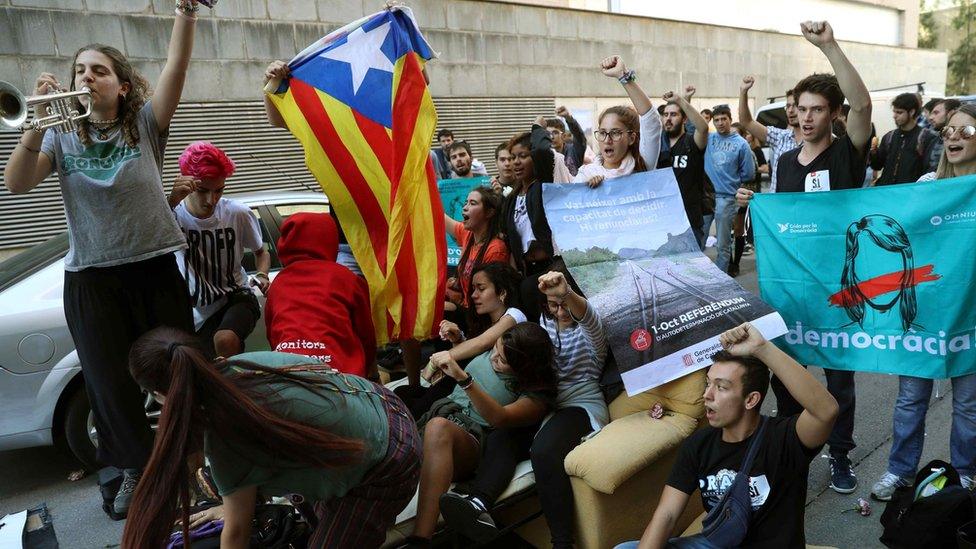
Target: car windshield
x=30, y=260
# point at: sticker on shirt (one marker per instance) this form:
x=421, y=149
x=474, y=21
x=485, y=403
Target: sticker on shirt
x=817, y=181
x=713, y=488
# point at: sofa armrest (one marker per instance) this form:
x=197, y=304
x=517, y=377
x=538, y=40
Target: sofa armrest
x=626, y=446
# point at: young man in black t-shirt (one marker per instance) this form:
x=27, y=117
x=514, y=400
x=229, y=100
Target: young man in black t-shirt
x=687, y=153
x=710, y=458
x=823, y=163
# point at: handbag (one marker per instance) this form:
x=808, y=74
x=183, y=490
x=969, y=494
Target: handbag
x=932, y=513
x=727, y=524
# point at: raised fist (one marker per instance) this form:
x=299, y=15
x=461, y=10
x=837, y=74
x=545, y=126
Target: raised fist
x=613, y=66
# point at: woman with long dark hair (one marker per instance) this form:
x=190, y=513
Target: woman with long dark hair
x=121, y=275
x=477, y=233
x=511, y=385
x=494, y=291
x=914, y=393
x=282, y=423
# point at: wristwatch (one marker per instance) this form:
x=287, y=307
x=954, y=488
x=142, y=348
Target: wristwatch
x=466, y=383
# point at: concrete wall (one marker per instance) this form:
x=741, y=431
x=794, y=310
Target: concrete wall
x=488, y=48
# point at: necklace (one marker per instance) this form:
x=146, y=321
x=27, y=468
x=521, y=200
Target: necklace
x=104, y=127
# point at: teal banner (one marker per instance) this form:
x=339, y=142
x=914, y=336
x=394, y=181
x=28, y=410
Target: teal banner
x=454, y=193
x=874, y=280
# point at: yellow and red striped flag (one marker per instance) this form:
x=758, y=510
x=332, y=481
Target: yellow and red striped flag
x=358, y=102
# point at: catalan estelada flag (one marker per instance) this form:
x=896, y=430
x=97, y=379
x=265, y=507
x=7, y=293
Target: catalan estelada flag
x=358, y=102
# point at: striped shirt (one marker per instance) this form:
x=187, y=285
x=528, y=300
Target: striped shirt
x=779, y=142
x=581, y=349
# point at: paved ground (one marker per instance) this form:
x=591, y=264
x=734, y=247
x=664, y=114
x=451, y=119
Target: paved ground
x=29, y=477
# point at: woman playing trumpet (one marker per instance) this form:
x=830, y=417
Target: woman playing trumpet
x=121, y=276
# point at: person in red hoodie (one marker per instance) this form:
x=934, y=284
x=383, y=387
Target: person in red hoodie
x=315, y=306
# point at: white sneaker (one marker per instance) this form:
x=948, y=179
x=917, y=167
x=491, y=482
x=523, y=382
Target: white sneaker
x=967, y=482
x=885, y=488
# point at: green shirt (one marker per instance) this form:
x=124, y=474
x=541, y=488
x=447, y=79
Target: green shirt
x=360, y=415
x=497, y=385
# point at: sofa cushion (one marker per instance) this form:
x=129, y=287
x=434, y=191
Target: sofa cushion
x=626, y=446
x=682, y=395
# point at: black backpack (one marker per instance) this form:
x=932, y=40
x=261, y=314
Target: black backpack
x=929, y=522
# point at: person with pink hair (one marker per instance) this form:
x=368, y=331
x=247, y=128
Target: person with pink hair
x=217, y=230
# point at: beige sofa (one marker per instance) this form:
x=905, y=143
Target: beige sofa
x=618, y=474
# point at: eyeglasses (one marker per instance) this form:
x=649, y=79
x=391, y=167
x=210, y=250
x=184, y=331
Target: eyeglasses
x=554, y=133
x=965, y=132
x=614, y=135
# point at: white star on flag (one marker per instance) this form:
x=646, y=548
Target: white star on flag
x=362, y=51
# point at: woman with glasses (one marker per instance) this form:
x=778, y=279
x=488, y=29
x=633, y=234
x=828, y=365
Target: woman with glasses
x=629, y=140
x=908, y=425
x=510, y=385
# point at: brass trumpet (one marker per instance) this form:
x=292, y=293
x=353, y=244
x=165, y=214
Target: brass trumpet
x=54, y=110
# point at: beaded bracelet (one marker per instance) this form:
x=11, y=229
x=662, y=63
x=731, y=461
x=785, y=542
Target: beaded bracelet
x=187, y=9
x=628, y=77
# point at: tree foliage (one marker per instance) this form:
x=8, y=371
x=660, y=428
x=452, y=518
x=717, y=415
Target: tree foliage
x=962, y=60
x=927, y=38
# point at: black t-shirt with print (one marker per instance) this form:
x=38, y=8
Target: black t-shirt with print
x=839, y=166
x=688, y=163
x=778, y=479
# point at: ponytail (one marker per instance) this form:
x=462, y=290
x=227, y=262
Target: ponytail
x=199, y=398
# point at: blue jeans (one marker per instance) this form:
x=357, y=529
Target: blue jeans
x=706, y=228
x=725, y=210
x=911, y=406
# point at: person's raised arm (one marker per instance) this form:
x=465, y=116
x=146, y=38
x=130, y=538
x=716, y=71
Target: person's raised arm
x=745, y=115
x=819, y=407
x=27, y=165
x=614, y=67
x=684, y=103
x=543, y=157
x=171, y=79
x=669, y=509
x=820, y=34
x=553, y=284
x=522, y=412
x=579, y=138
x=277, y=70
x=450, y=224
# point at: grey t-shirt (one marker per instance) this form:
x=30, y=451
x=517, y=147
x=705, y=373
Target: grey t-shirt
x=113, y=196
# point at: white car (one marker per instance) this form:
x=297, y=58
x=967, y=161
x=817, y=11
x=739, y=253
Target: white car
x=42, y=393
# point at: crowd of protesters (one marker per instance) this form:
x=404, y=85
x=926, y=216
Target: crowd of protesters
x=157, y=300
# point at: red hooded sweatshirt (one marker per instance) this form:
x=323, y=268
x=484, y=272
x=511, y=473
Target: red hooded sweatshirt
x=315, y=306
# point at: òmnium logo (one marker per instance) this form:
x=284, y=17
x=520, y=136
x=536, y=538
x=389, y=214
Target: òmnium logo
x=798, y=228
x=955, y=217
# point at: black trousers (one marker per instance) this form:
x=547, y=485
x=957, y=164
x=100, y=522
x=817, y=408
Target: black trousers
x=840, y=383
x=107, y=309
x=504, y=448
